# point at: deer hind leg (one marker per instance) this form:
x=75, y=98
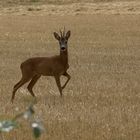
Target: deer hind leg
x=32, y=83
x=69, y=77
x=18, y=85
x=57, y=79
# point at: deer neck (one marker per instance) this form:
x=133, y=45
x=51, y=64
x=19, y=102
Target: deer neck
x=64, y=57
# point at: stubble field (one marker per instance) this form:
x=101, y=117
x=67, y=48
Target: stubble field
x=102, y=99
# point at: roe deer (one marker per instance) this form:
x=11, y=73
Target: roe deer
x=33, y=68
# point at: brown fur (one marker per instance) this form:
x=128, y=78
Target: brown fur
x=33, y=68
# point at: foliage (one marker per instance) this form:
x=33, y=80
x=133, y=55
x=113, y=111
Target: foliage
x=9, y=125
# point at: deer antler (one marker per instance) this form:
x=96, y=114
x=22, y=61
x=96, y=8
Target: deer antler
x=61, y=33
x=64, y=32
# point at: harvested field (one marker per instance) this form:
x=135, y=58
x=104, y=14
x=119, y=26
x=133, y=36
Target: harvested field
x=102, y=99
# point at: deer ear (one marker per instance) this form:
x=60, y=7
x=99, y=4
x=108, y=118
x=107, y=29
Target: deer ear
x=56, y=36
x=68, y=34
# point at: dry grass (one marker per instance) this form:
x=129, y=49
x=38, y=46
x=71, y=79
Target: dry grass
x=102, y=100
x=116, y=8
x=55, y=1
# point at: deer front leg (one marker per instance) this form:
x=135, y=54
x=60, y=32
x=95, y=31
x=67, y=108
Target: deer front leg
x=69, y=77
x=57, y=79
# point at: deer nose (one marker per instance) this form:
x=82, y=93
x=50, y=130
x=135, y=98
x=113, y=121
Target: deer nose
x=62, y=48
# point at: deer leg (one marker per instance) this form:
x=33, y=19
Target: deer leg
x=32, y=83
x=17, y=86
x=69, y=77
x=57, y=79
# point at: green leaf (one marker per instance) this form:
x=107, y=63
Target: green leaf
x=37, y=129
x=7, y=126
x=36, y=132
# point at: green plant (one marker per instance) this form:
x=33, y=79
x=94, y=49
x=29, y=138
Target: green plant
x=9, y=125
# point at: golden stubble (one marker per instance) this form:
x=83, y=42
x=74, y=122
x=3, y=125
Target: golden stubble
x=102, y=99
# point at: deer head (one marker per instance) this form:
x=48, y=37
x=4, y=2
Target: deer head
x=63, y=39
